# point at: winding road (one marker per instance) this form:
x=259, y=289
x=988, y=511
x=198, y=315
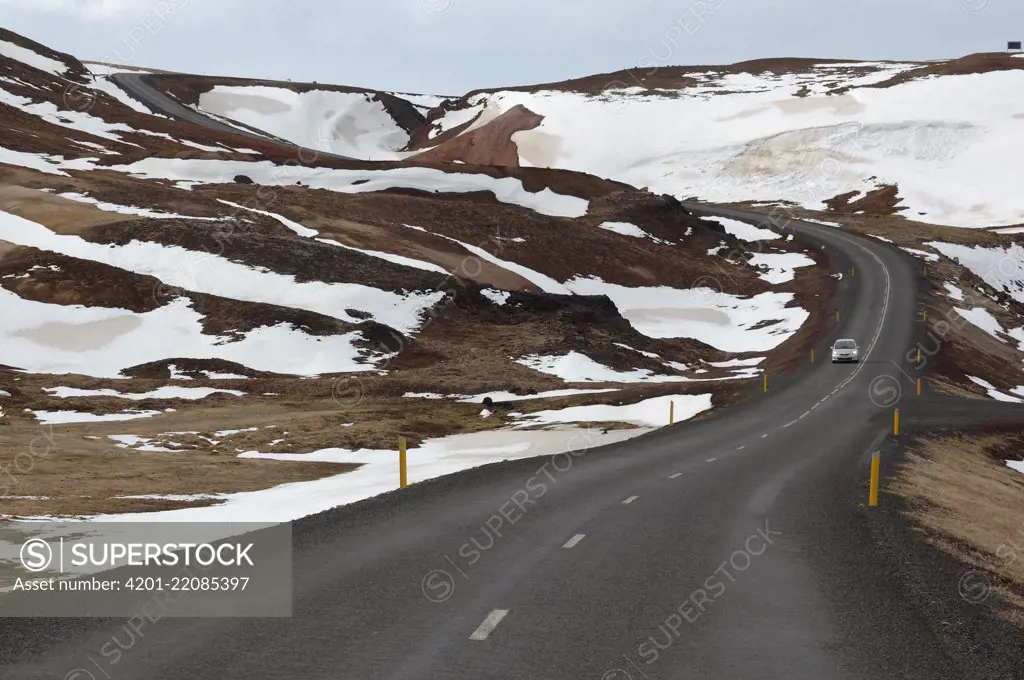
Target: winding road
x=732, y=548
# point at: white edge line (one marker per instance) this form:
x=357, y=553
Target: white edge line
x=489, y=624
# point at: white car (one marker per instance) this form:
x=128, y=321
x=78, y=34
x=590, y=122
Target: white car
x=845, y=350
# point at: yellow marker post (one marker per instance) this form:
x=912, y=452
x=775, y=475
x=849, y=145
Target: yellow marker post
x=919, y=387
x=403, y=480
x=876, y=464
x=918, y=355
x=926, y=271
x=671, y=412
x=812, y=356
x=924, y=315
x=853, y=271
x=837, y=315
x=765, y=382
x=896, y=422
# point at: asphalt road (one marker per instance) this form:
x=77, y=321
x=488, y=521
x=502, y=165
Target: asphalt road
x=732, y=548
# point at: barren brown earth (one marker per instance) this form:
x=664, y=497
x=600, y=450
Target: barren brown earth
x=982, y=62
x=490, y=144
x=960, y=490
x=659, y=77
x=77, y=469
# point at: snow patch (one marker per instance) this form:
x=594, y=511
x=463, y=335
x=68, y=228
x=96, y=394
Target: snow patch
x=1001, y=268
x=167, y=392
x=32, y=58
x=577, y=367
x=354, y=124
x=781, y=266
x=993, y=392
x=649, y=412
x=505, y=189
x=723, y=321
x=498, y=297
x=746, y=232
x=66, y=417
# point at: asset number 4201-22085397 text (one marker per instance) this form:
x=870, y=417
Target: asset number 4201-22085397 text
x=197, y=583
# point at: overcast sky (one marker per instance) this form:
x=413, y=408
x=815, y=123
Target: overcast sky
x=452, y=46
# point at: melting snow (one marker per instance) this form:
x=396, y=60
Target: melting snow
x=505, y=396
x=781, y=266
x=923, y=254
x=984, y=320
x=131, y=441
x=746, y=232
x=74, y=120
x=126, y=209
x=65, y=417
x=208, y=273
x=748, y=138
x=390, y=257
x=505, y=189
x=103, y=84
x=291, y=224
x=650, y=412
x=168, y=392
x=498, y=297
x=223, y=376
x=379, y=473
x=100, y=342
x=351, y=124
x=576, y=367
x=723, y=321
x=1001, y=268
x=32, y=58
x=993, y=392
x=627, y=229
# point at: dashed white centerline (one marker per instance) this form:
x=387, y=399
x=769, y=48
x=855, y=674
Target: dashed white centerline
x=489, y=624
x=764, y=436
x=574, y=540
x=675, y=475
x=740, y=448
x=630, y=500
x=712, y=460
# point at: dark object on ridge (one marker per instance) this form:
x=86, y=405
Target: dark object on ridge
x=243, y=179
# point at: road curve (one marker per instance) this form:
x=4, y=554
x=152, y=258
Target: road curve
x=733, y=547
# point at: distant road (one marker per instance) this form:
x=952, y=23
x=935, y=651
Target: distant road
x=138, y=87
